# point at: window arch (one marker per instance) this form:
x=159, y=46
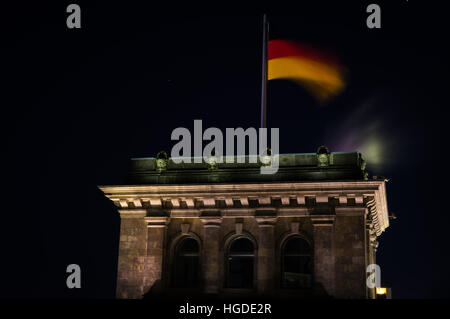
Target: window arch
x=186, y=270
x=240, y=263
x=296, y=263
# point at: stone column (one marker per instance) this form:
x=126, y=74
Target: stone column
x=132, y=254
x=266, y=255
x=324, y=261
x=156, y=243
x=210, y=255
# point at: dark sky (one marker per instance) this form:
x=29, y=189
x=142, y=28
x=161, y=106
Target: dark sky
x=78, y=104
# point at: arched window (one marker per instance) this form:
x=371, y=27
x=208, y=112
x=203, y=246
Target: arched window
x=240, y=263
x=296, y=263
x=186, y=264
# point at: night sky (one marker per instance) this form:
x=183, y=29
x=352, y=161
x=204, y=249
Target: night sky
x=77, y=104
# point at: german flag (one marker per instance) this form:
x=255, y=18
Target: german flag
x=319, y=73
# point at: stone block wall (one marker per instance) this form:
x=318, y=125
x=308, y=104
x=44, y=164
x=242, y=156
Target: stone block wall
x=132, y=256
x=350, y=256
x=339, y=245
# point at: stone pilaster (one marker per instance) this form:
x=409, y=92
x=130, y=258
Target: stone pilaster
x=156, y=242
x=324, y=261
x=132, y=254
x=266, y=255
x=370, y=292
x=373, y=245
x=210, y=256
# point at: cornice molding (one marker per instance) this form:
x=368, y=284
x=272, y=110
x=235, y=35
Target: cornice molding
x=233, y=200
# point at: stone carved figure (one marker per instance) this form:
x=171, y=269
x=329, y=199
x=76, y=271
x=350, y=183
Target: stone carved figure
x=212, y=161
x=266, y=158
x=363, y=169
x=161, y=161
x=323, y=156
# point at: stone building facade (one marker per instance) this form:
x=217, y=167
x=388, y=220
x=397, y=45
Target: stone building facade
x=309, y=230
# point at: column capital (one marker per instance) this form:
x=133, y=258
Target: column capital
x=211, y=221
x=267, y=221
x=132, y=213
x=323, y=220
x=157, y=221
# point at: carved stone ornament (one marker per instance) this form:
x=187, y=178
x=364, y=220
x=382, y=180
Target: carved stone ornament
x=161, y=161
x=363, y=169
x=212, y=161
x=323, y=156
x=266, y=157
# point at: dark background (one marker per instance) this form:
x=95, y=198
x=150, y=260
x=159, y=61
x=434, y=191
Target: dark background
x=77, y=104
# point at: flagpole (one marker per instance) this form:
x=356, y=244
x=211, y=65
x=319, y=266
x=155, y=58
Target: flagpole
x=264, y=72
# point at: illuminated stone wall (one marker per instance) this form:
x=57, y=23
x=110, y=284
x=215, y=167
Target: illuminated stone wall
x=341, y=219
